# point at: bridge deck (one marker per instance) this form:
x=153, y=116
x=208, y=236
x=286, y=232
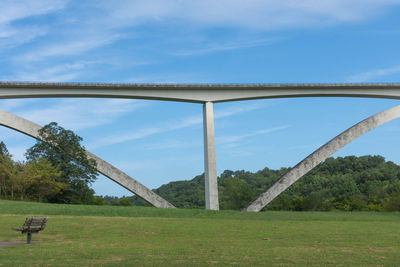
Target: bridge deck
x=197, y=93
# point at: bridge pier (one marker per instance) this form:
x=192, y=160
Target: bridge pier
x=210, y=166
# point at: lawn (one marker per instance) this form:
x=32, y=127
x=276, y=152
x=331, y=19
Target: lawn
x=108, y=235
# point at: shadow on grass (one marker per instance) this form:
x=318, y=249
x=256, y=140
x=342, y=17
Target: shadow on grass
x=6, y=244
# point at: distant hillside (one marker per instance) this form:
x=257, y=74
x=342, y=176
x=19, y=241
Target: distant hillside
x=349, y=183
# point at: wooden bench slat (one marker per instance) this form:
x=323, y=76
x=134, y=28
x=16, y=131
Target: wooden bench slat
x=35, y=224
x=32, y=226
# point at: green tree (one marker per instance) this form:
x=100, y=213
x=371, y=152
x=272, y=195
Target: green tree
x=6, y=169
x=19, y=182
x=63, y=150
x=238, y=194
x=125, y=201
x=393, y=202
x=41, y=178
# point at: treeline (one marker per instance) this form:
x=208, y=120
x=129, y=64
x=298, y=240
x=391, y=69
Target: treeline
x=62, y=173
x=367, y=183
x=30, y=180
x=113, y=201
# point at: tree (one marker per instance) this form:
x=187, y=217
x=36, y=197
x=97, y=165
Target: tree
x=4, y=150
x=19, y=182
x=6, y=168
x=238, y=194
x=41, y=179
x=394, y=202
x=125, y=201
x=63, y=150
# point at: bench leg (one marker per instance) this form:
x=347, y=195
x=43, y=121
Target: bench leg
x=29, y=238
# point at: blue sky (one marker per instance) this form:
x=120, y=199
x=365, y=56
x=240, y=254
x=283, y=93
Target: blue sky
x=172, y=41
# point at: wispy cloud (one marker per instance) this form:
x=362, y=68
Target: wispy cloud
x=256, y=14
x=128, y=166
x=13, y=104
x=57, y=73
x=78, y=114
x=227, y=46
x=170, y=126
x=10, y=37
x=67, y=48
x=87, y=27
x=237, y=109
x=144, y=132
x=12, y=11
x=169, y=144
x=231, y=141
x=372, y=75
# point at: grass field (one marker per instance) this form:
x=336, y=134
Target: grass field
x=81, y=235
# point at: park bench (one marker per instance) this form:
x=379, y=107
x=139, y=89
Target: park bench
x=32, y=226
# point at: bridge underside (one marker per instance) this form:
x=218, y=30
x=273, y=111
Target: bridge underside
x=206, y=94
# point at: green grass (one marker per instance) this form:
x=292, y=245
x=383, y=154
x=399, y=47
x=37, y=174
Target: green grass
x=106, y=235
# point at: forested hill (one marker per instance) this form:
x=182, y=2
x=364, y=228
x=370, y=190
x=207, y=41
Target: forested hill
x=349, y=183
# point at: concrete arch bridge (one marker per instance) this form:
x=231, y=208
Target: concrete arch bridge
x=207, y=95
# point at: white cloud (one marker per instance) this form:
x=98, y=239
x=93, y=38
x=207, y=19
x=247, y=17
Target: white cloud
x=78, y=114
x=10, y=37
x=75, y=114
x=87, y=26
x=120, y=138
x=256, y=14
x=237, y=109
x=227, y=46
x=129, y=166
x=11, y=104
x=372, y=75
x=168, y=144
x=95, y=24
x=67, y=48
x=142, y=133
x=170, y=126
x=231, y=140
x=57, y=73
x=12, y=10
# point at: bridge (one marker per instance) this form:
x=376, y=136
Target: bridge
x=207, y=95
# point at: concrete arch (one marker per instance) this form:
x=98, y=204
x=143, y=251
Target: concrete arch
x=319, y=155
x=31, y=129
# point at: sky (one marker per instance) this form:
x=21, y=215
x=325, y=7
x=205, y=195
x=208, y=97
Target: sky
x=201, y=41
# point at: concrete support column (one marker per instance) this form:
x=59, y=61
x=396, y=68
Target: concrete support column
x=210, y=166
